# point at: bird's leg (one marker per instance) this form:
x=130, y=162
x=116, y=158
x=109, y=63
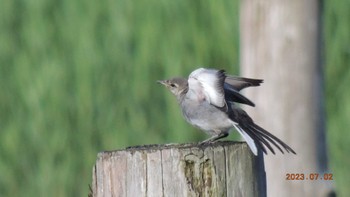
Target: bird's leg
x=215, y=138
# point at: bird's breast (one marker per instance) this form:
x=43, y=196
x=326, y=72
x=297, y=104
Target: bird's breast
x=205, y=116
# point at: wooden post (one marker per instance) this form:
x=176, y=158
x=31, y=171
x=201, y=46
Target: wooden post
x=220, y=169
x=281, y=42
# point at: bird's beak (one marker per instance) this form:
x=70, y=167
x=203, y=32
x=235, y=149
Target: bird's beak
x=163, y=82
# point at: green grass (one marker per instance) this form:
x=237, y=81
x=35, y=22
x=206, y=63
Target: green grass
x=79, y=77
x=337, y=55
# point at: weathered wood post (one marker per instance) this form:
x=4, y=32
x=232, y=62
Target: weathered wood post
x=281, y=42
x=220, y=169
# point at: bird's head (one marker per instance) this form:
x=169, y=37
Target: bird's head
x=178, y=86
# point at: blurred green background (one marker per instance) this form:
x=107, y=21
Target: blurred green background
x=78, y=77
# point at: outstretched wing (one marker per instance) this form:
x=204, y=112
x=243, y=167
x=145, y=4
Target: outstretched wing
x=239, y=83
x=232, y=95
x=208, y=84
x=234, y=84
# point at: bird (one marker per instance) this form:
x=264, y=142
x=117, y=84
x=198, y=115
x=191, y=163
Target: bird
x=209, y=100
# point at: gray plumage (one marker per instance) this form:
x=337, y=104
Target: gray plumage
x=207, y=99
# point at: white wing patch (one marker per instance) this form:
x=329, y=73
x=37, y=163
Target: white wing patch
x=207, y=82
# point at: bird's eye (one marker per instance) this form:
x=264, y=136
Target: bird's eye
x=173, y=85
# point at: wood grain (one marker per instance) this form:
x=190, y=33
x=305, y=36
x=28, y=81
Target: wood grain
x=219, y=169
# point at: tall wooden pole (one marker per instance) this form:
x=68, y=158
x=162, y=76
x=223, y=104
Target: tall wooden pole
x=281, y=43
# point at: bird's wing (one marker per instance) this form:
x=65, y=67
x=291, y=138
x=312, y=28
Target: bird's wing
x=234, y=84
x=239, y=83
x=233, y=95
x=208, y=84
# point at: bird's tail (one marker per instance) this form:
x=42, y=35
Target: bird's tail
x=257, y=137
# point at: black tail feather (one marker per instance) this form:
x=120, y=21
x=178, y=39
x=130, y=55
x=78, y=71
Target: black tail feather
x=263, y=138
x=258, y=139
x=285, y=146
x=269, y=139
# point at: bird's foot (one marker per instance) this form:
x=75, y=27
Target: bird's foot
x=207, y=141
x=213, y=138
